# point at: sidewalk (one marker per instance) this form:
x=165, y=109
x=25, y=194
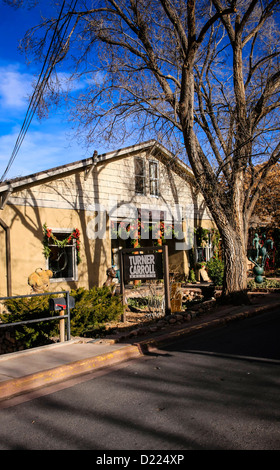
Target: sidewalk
x=26, y=371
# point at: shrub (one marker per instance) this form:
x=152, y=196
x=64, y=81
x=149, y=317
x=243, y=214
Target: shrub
x=92, y=309
x=266, y=284
x=30, y=308
x=215, y=269
x=192, y=277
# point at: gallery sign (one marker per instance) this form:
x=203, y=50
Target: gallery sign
x=143, y=266
x=149, y=263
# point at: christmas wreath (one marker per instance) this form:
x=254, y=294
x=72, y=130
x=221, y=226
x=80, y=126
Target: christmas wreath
x=50, y=238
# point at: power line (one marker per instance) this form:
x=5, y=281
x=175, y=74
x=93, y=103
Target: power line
x=50, y=60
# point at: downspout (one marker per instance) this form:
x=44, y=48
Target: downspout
x=8, y=257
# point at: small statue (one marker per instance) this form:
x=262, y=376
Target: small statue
x=264, y=250
x=110, y=281
x=39, y=281
x=256, y=246
x=260, y=252
x=176, y=297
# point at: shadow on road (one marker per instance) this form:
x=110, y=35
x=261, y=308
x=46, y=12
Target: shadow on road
x=254, y=338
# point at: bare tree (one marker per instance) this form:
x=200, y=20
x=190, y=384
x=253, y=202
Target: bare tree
x=204, y=74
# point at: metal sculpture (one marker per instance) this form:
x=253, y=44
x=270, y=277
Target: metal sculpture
x=261, y=256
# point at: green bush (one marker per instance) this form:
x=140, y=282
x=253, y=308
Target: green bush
x=215, y=269
x=192, y=277
x=266, y=284
x=92, y=309
x=30, y=308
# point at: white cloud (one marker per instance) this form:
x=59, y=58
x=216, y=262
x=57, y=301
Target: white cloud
x=46, y=143
x=39, y=151
x=15, y=87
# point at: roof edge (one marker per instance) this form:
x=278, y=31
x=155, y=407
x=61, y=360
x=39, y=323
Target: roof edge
x=17, y=183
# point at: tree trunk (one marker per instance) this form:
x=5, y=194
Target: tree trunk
x=232, y=223
x=235, y=266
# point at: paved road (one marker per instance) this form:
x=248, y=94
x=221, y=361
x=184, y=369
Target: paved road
x=215, y=390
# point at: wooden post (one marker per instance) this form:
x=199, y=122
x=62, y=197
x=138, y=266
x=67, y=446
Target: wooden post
x=166, y=280
x=122, y=289
x=62, y=327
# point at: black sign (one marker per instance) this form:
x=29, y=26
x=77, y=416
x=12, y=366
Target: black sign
x=142, y=266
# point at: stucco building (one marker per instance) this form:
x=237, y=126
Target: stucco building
x=73, y=219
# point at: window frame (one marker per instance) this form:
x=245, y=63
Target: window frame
x=154, y=179
x=142, y=176
x=205, y=252
x=74, y=263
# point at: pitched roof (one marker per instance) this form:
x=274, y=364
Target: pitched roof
x=19, y=183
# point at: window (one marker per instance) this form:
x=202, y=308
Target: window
x=62, y=260
x=204, y=248
x=139, y=175
x=154, y=179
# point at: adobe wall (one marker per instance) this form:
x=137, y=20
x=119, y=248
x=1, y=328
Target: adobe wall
x=71, y=202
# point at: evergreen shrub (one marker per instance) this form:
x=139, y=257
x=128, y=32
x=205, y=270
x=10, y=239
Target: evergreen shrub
x=30, y=308
x=192, y=277
x=215, y=270
x=92, y=309
x=266, y=284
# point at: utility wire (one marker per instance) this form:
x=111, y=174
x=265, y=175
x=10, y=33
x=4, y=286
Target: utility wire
x=49, y=63
x=33, y=102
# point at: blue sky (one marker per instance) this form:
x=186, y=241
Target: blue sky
x=49, y=142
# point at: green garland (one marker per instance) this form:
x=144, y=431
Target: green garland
x=50, y=237
x=134, y=230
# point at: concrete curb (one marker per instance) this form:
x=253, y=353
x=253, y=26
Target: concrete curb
x=19, y=386
x=28, y=383
x=173, y=336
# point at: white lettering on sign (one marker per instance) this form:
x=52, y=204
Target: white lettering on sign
x=144, y=259
x=142, y=265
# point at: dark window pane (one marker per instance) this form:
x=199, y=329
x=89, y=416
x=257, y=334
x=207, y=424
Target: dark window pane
x=139, y=185
x=139, y=175
x=153, y=174
x=62, y=259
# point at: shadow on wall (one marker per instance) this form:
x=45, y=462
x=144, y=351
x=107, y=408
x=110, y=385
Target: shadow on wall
x=92, y=269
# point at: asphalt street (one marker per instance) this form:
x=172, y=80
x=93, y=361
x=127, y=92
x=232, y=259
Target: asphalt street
x=216, y=390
